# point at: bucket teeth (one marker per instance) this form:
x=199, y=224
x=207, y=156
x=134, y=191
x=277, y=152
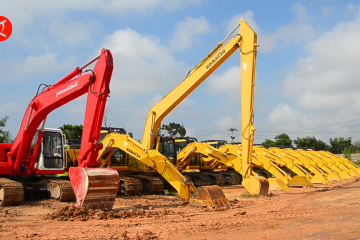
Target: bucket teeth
x=209, y=196
x=320, y=179
x=94, y=187
x=278, y=185
x=300, y=181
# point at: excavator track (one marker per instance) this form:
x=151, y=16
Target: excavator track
x=11, y=192
x=232, y=178
x=199, y=179
x=130, y=185
x=60, y=189
x=151, y=185
x=216, y=178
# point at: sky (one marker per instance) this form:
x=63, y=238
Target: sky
x=307, y=70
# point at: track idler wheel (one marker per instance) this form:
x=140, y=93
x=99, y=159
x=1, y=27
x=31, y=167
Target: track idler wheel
x=94, y=188
x=209, y=196
x=256, y=185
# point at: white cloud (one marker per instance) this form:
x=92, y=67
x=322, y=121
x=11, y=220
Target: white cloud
x=187, y=32
x=285, y=116
x=74, y=33
x=297, y=31
x=227, y=82
x=25, y=13
x=35, y=66
x=328, y=79
x=186, y=103
x=143, y=65
x=7, y=108
x=224, y=122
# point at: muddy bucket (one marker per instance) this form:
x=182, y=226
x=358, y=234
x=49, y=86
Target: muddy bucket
x=209, y=196
x=256, y=185
x=95, y=188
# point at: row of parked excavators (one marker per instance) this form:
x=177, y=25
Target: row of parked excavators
x=215, y=162
x=106, y=162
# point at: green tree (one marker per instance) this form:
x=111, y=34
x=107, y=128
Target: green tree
x=269, y=143
x=5, y=136
x=311, y=142
x=174, y=129
x=282, y=140
x=72, y=131
x=338, y=145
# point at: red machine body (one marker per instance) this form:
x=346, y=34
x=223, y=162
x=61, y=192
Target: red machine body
x=20, y=157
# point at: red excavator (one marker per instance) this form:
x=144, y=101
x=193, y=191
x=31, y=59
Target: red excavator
x=38, y=152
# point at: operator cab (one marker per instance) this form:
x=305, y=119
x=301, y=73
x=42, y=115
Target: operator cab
x=181, y=143
x=51, y=155
x=166, y=146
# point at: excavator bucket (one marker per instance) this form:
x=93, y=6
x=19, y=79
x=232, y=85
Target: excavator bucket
x=345, y=175
x=353, y=173
x=320, y=179
x=94, y=188
x=300, y=181
x=256, y=185
x=277, y=184
x=209, y=196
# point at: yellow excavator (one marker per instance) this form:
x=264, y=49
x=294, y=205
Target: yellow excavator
x=246, y=41
x=313, y=172
x=197, y=161
x=341, y=161
x=264, y=164
x=342, y=172
x=227, y=161
x=124, y=163
x=331, y=174
x=293, y=175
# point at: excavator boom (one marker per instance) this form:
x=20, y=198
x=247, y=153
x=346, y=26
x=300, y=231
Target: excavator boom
x=93, y=187
x=246, y=41
x=154, y=160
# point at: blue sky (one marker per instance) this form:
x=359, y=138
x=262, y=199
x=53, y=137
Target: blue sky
x=307, y=74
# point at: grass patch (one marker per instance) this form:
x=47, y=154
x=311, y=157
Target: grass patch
x=248, y=195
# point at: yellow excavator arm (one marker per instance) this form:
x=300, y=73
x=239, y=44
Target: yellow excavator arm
x=213, y=155
x=246, y=42
x=154, y=160
x=151, y=158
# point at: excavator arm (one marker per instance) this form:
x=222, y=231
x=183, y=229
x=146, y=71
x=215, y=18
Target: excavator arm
x=213, y=155
x=270, y=159
x=52, y=97
x=277, y=183
x=355, y=170
x=246, y=41
x=154, y=160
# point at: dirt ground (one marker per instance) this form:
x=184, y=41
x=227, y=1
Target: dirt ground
x=323, y=212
